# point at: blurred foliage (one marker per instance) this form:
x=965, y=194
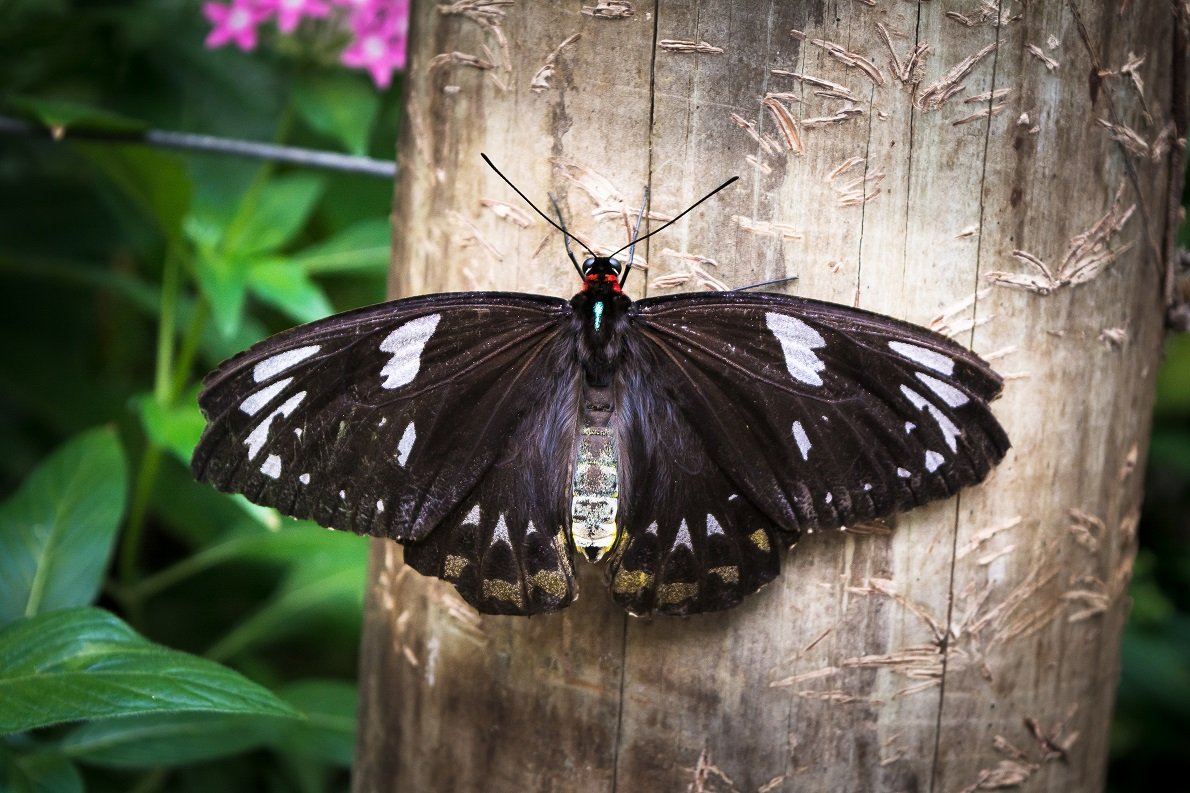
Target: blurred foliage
x=155, y=634
x=126, y=273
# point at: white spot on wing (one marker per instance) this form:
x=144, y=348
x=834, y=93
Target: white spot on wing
x=530, y=529
x=949, y=431
x=901, y=472
x=803, y=440
x=652, y=529
x=271, y=467
x=343, y=494
x=798, y=342
x=945, y=391
x=867, y=487
x=260, y=433
x=909, y=427
x=713, y=526
x=282, y=361
x=500, y=534
x=406, y=344
x=924, y=357
x=829, y=497
x=472, y=517
x=683, y=537
x=405, y=445
x=382, y=422
x=297, y=431
x=380, y=505
x=258, y=399
x=304, y=479
x=933, y=460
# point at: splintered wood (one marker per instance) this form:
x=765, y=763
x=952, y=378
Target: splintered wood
x=541, y=80
x=1087, y=255
x=936, y=94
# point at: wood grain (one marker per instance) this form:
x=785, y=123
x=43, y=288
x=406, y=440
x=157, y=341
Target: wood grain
x=976, y=645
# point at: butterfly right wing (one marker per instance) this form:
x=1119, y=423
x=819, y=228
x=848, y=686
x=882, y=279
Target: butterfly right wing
x=436, y=421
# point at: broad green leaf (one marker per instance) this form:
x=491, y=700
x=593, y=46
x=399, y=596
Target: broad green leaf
x=177, y=427
x=333, y=579
x=154, y=181
x=340, y=105
x=1173, y=378
x=272, y=214
x=328, y=731
x=86, y=664
x=57, y=530
x=39, y=772
x=223, y=279
x=363, y=247
x=161, y=739
x=57, y=113
x=283, y=285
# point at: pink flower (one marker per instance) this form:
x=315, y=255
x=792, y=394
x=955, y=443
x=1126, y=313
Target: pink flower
x=381, y=55
x=380, y=28
x=236, y=23
x=291, y=12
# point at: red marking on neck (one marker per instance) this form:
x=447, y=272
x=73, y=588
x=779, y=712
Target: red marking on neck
x=594, y=279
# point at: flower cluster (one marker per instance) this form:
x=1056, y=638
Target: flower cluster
x=377, y=29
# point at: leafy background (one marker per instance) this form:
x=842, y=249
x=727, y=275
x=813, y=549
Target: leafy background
x=155, y=635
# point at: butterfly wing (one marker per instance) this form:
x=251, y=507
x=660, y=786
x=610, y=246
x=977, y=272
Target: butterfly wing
x=436, y=421
x=794, y=415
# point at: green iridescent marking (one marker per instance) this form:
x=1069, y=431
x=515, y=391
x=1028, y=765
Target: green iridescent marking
x=598, y=309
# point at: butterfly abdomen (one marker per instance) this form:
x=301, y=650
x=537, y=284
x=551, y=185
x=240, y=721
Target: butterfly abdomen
x=595, y=490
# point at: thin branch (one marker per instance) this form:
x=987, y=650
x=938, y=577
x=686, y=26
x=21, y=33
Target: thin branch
x=310, y=158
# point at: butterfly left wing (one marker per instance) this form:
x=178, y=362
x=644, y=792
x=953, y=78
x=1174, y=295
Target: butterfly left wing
x=436, y=421
x=784, y=414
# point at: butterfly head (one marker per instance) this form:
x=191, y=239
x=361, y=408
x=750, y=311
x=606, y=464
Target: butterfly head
x=601, y=275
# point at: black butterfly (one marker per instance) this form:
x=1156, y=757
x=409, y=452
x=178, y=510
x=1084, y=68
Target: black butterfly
x=687, y=439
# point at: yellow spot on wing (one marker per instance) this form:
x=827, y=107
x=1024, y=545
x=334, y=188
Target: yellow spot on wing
x=629, y=582
x=549, y=581
x=502, y=590
x=729, y=573
x=760, y=539
x=454, y=566
x=672, y=594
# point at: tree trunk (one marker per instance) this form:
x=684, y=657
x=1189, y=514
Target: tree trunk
x=1011, y=180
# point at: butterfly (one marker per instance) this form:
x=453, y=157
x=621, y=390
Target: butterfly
x=684, y=441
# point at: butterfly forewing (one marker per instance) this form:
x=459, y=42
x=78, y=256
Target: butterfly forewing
x=386, y=420
x=822, y=415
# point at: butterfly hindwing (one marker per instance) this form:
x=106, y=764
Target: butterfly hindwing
x=396, y=420
x=821, y=415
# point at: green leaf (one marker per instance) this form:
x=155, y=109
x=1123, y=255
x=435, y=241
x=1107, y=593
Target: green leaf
x=340, y=105
x=154, y=181
x=86, y=664
x=223, y=280
x=363, y=247
x=167, y=738
x=40, y=772
x=272, y=214
x=328, y=731
x=65, y=114
x=57, y=530
x=333, y=579
x=177, y=427
x=283, y=285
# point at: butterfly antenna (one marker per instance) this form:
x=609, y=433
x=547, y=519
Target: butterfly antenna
x=784, y=280
x=566, y=235
x=635, y=229
x=561, y=224
x=679, y=216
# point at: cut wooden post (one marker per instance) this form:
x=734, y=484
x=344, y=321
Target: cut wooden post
x=1011, y=179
